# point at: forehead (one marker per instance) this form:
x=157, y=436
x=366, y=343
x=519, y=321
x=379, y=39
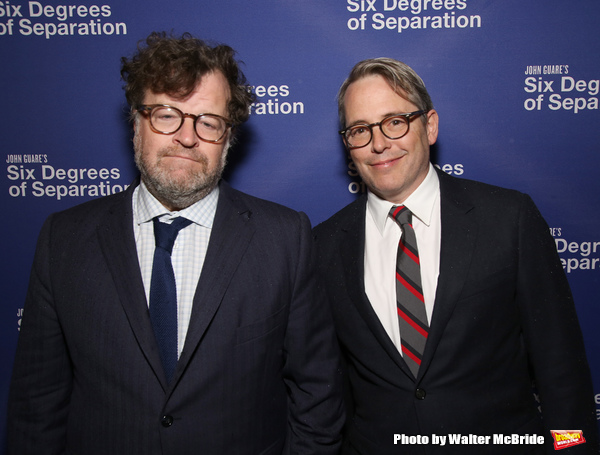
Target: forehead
x=211, y=94
x=371, y=98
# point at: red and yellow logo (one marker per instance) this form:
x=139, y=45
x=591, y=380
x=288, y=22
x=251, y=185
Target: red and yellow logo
x=567, y=438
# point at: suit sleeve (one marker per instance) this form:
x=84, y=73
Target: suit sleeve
x=40, y=389
x=552, y=335
x=312, y=366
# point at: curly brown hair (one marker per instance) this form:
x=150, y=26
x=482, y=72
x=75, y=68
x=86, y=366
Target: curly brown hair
x=175, y=66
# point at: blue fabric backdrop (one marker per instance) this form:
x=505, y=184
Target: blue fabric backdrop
x=515, y=84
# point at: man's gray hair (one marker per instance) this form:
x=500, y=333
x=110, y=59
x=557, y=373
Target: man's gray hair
x=401, y=78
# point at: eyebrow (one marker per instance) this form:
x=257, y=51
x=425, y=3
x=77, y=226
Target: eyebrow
x=360, y=122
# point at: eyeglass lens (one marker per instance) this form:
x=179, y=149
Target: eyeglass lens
x=392, y=127
x=168, y=120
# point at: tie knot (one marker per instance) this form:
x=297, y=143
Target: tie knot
x=165, y=234
x=401, y=214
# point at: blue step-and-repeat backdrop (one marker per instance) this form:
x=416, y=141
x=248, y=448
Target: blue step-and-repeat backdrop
x=515, y=83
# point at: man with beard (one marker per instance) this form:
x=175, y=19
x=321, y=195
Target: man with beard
x=180, y=316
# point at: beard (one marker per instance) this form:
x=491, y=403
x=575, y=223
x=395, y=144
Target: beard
x=177, y=192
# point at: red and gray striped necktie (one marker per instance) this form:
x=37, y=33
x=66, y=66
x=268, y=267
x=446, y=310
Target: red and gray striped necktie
x=412, y=316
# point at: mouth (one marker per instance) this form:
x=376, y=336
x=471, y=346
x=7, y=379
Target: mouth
x=183, y=156
x=382, y=164
x=178, y=158
x=179, y=155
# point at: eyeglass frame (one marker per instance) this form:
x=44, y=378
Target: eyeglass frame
x=142, y=108
x=410, y=116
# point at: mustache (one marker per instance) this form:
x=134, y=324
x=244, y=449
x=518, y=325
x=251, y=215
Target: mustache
x=194, y=154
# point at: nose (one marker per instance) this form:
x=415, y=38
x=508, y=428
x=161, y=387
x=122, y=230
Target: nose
x=379, y=142
x=186, y=135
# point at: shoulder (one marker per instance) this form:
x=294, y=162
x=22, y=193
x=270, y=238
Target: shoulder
x=456, y=189
x=260, y=210
x=490, y=204
x=83, y=219
x=348, y=218
x=96, y=209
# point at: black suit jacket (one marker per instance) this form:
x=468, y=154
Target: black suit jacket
x=259, y=372
x=503, y=316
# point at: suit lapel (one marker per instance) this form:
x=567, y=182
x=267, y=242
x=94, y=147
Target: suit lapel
x=117, y=241
x=231, y=234
x=352, y=252
x=459, y=232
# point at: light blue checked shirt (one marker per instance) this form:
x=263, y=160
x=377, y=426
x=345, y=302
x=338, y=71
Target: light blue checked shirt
x=189, y=250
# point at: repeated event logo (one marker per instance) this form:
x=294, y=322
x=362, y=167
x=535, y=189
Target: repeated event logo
x=558, y=87
x=34, y=176
x=401, y=16
x=576, y=255
x=43, y=20
x=567, y=438
x=273, y=100
x=19, y=318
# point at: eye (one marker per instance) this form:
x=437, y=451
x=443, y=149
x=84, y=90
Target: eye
x=166, y=115
x=358, y=131
x=209, y=123
x=396, y=121
x=395, y=124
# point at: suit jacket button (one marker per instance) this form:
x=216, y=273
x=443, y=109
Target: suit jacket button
x=420, y=394
x=166, y=421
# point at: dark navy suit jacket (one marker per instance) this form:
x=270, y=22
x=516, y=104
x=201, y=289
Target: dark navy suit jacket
x=259, y=372
x=503, y=317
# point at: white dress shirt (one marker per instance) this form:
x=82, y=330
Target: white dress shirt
x=189, y=249
x=382, y=235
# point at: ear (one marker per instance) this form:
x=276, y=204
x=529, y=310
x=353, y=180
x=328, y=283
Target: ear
x=432, y=126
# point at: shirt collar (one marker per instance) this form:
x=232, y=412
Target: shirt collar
x=420, y=202
x=147, y=207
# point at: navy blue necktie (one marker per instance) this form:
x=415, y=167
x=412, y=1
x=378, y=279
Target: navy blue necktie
x=163, y=293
